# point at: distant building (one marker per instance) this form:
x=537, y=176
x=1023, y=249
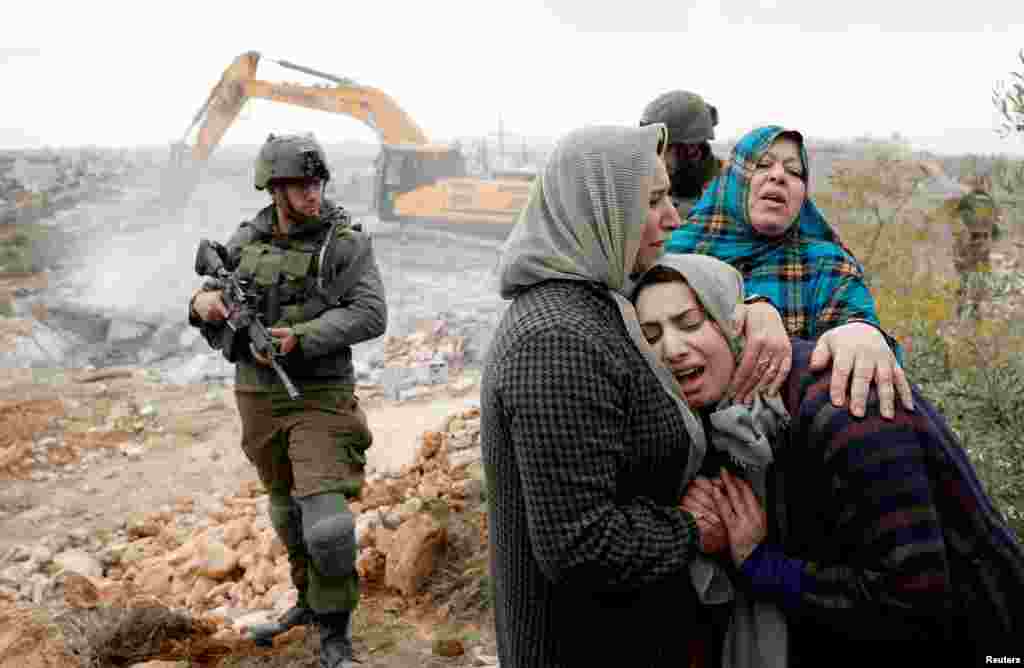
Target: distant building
x=35, y=176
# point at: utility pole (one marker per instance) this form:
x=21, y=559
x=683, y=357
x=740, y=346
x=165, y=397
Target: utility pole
x=501, y=143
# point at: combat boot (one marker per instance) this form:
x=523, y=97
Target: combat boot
x=335, y=640
x=264, y=634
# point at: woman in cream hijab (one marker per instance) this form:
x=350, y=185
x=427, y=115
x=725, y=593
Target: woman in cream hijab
x=587, y=444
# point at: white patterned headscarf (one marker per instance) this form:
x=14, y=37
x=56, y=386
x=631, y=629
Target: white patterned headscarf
x=585, y=213
x=583, y=222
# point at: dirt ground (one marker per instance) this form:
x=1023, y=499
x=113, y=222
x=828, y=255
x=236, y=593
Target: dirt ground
x=188, y=445
x=123, y=444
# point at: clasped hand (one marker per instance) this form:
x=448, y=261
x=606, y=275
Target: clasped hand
x=728, y=514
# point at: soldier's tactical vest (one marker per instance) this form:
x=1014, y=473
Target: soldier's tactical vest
x=290, y=274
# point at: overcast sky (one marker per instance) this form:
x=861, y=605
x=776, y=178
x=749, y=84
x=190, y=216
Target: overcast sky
x=133, y=73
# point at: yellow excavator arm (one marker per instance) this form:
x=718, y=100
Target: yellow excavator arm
x=414, y=179
x=239, y=83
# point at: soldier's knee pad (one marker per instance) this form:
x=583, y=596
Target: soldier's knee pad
x=329, y=530
x=286, y=518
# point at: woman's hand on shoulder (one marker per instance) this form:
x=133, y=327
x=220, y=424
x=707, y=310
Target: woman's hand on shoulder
x=859, y=349
x=767, y=352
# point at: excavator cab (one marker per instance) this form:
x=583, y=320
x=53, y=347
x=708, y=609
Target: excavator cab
x=402, y=168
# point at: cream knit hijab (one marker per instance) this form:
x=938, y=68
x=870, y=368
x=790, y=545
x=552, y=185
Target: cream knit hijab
x=757, y=634
x=582, y=222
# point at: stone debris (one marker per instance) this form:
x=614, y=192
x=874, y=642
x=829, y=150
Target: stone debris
x=218, y=558
x=428, y=356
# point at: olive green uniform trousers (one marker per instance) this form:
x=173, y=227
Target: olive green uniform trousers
x=310, y=454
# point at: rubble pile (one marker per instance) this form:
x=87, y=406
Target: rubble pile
x=429, y=343
x=428, y=356
x=47, y=439
x=217, y=560
x=34, y=184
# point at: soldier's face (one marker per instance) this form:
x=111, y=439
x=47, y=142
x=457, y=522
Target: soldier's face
x=305, y=195
x=679, y=154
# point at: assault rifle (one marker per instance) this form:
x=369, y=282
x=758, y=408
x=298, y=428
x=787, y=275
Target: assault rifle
x=244, y=321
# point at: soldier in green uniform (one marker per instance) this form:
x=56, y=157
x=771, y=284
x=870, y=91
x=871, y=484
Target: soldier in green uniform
x=690, y=161
x=972, y=246
x=320, y=274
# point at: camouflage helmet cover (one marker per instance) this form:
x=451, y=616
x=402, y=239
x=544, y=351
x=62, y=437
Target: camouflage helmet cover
x=290, y=157
x=690, y=120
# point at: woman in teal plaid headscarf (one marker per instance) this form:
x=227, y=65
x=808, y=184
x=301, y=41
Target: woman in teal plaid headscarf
x=806, y=271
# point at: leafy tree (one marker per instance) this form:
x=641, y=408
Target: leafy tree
x=1008, y=99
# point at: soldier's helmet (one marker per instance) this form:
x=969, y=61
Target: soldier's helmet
x=290, y=157
x=690, y=120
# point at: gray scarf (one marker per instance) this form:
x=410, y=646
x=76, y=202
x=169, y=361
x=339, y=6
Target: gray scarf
x=582, y=222
x=757, y=634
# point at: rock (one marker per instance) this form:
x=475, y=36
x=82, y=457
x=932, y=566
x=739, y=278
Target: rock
x=432, y=441
x=181, y=585
x=371, y=564
x=448, y=647
x=78, y=561
x=390, y=520
x=181, y=555
x=41, y=554
x=140, y=526
x=200, y=590
x=127, y=553
x=470, y=489
x=463, y=458
x=269, y=544
x=366, y=524
x=383, y=539
x=79, y=591
x=37, y=346
x=121, y=329
x=27, y=640
x=411, y=506
x=220, y=589
x=417, y=547
x=19, y=553
x=48, y=442
x=235, y=532
x=218, y=561
x=254, y=618
x=156, y=580
x=480, y=659
x=13, y=576
x=431, y=489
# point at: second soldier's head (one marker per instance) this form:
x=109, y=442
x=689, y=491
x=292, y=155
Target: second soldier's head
x=690, y=122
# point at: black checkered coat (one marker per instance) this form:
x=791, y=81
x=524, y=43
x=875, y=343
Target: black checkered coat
x=585, y=455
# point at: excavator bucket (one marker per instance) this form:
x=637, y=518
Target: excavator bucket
x=178, y=180
x=218, y=112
